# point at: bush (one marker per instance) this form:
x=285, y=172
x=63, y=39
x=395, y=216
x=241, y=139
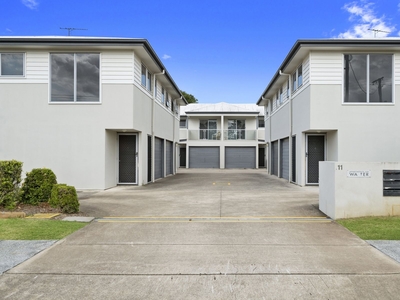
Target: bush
x=65, y=198
x=10, y=179
x=37, y=186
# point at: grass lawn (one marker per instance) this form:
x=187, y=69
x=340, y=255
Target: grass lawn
x=374, y=228
x=27, y=229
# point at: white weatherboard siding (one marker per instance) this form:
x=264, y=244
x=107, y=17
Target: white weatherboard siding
x=117, y=67
x=138, y=70
x=326, y=67
x=37, y=67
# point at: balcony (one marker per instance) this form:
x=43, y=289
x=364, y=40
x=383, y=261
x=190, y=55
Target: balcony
x=227, y=134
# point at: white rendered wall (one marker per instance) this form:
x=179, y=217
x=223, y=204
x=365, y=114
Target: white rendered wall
x=342, y=196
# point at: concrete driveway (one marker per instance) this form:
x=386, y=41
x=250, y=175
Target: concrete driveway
x=207, y=234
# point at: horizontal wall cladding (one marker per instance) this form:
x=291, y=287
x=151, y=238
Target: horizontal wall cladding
x=397, y=68
x=138, y=70
x=306, y=72
x=37, y=66
x=117, y=67
x=326, y=67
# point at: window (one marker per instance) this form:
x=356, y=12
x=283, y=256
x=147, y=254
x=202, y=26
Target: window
x=236, y=129
x=261, y=123
x=280, y=96
x=294, y=82
x=297, y=78
x=182, y=123
x=162, y=95
x=146, y=78
x=167, y=103
x=208, y=130
x=12, y=64
x=368, y=78
x=75, y=77
x=155, y=88
x=287, y=89
x=300, y=76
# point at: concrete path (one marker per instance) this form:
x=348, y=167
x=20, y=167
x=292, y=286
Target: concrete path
x=207, y=234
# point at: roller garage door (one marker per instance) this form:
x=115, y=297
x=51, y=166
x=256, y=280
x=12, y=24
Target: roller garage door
x=240, y=157
x=169, y=151
x=159, y=158
x=284, y=158
x=203, y=157
x=274, y=158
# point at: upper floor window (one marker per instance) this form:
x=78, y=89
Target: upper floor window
x=236, y=129
x=297, y=78
x=146, y=78
x=368, y=78
x=75, y=77
x=208, y=130
x=182, y=123
x=280, y=95
x=261, y=122
x=155, y=88
x=287, y=89
x=162, y=95
x=11, y=64
x=167, y=100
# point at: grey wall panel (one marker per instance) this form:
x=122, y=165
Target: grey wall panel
x=284, y=158
x=203, y=157
x=159, y=158
x=240, y=157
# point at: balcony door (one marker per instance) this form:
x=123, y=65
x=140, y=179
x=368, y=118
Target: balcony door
x=208, y=129
x=236, y=129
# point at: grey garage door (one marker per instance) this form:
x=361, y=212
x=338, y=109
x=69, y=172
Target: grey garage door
x=169, y=157
x=284, y=157
x=203, y=157
x=240, y=157
x=274, y=158
x=159, y=158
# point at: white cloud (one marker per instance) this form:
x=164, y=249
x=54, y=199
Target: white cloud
x=9, y=30
x=32, y=4
x=166, y=56
x=365, y=18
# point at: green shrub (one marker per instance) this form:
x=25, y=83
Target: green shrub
x=37, y=186
x=64, y=197
x=10, y=179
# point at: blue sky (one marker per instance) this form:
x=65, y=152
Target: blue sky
x=216, y=50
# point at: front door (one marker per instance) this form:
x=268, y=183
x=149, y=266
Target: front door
x=315, y=153
x=127, y=154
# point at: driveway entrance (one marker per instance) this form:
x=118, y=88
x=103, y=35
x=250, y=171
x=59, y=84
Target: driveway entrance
x=208, y=193
x=211, y=234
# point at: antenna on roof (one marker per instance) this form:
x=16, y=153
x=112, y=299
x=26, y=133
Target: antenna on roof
x=377, y=30
x=71, y=29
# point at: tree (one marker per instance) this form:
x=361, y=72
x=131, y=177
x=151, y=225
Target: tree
x=189, y=97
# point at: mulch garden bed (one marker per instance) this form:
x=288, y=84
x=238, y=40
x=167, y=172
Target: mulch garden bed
x=41, y=208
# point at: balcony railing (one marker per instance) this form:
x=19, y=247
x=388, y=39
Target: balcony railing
x=228, y=134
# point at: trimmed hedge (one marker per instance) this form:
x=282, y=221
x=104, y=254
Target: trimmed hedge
x=64, y=197
x=10, y=179
x=37, y=186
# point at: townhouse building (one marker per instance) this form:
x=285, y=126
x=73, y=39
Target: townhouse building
x=97, y=111
x=222, y=135
x=333, y=100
